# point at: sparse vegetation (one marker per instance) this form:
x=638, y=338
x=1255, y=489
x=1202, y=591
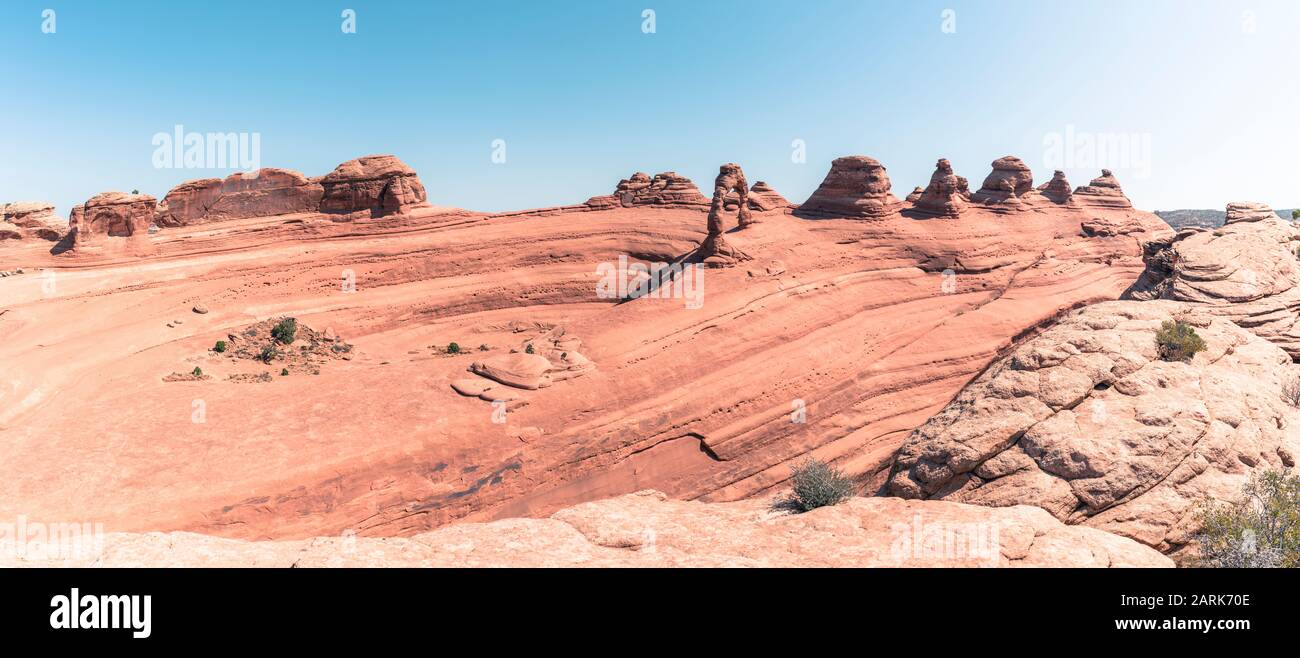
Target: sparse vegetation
x=1178, y=341
x=268, y=354
x=483, y=348
x=818, y=484
x=341, y=348
x=284, y=372
x=453, y=348
x=220, y=347
x=284, y=331
x=529, y=349
x=1261, y=529
x=1295, y=214
x=1291, y=391
x=198, y=372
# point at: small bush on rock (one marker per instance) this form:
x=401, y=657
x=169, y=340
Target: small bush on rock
x=220, y=347
x=1177, y=341
x=284, y=331
x=198, y=372
x=1291, y=391
x=818, y=484
x=268, y=353
x=1261, y=529
x=453, y=348
x=284, y=372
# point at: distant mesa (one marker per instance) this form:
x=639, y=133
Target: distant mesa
x=1104, y=192
x=1057, y=190
x=664, y=189
x=947, y=193
x=261, y=193
x=856, y=186
x=380, y=184
x=30, y=219
x=112, y=214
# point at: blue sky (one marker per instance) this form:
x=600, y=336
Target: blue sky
x=582, y=97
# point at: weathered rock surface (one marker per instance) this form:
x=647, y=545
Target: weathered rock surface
x=856, y=186
x=263, y=193
x=647, y=529
x=668, y=189
x=31, y=219
x=762, y=198
x=378, y=184
x=112, y=214
x=947, y=193
x=1086, y=422
x=1103, y=191
x=714, y=250
x=1246, y=271
x=1057, y=190
x=1003, y=189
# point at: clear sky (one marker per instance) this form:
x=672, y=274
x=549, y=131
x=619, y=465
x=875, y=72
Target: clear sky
x=1203, y=93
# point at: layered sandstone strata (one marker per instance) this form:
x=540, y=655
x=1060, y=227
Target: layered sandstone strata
x=663, y=189
x=647, y=529
x=946, y=195
x=1104, y=191
x=262, y=193
x=857, y=187
x=31, y=219
x=378, y=184
x=112, y=214
x=1087, y=422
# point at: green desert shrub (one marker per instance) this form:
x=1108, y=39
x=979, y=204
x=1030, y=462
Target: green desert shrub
x=1260, y=529
x=284, y=331
x=284, y=372
x=220, y=347
x=268, y=354
x=453, y=348
x=1177, y=341
x=197, y=372
x=818, y=484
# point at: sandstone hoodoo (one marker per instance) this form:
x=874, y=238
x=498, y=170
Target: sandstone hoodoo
x=262, y=193
x=1245, y=271
x=1088, y=422
x=762, y=198
x=664, y=189
x=715, y=251
x=112, y=214
x=378, y=184
x=1104, y=192
x=1057, y=190
x=1010, y=180
x=31, y=219
x=947, y=194
x=856, y=186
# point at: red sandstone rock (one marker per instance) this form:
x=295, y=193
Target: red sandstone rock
x=1057, y=190
x=262, y=193
x=1009, y=180
x=31, y=219
x=856, y=186
x=379, y=184
x=1104, y=192
x=112, y=214
x=947, y=193
x=715, y=251
x=665, y=189
x=762, y=198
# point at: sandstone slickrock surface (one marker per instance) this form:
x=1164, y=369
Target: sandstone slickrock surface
x=1057, y=190
x=31, y=219
x=1010, y=180
x=263, y=193
x=1246, y=271
x=646, y=529
x=857, y=187
x=947, y=193
x=1088, y=423
x=112, y=214
x=1103, y=191
x=378, y=184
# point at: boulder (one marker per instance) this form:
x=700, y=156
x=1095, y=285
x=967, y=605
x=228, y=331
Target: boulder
x=263, y=193
x=112, y=214
x=857, y=187
x=1087, y=422
x=378, y=184
x=518, y=369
